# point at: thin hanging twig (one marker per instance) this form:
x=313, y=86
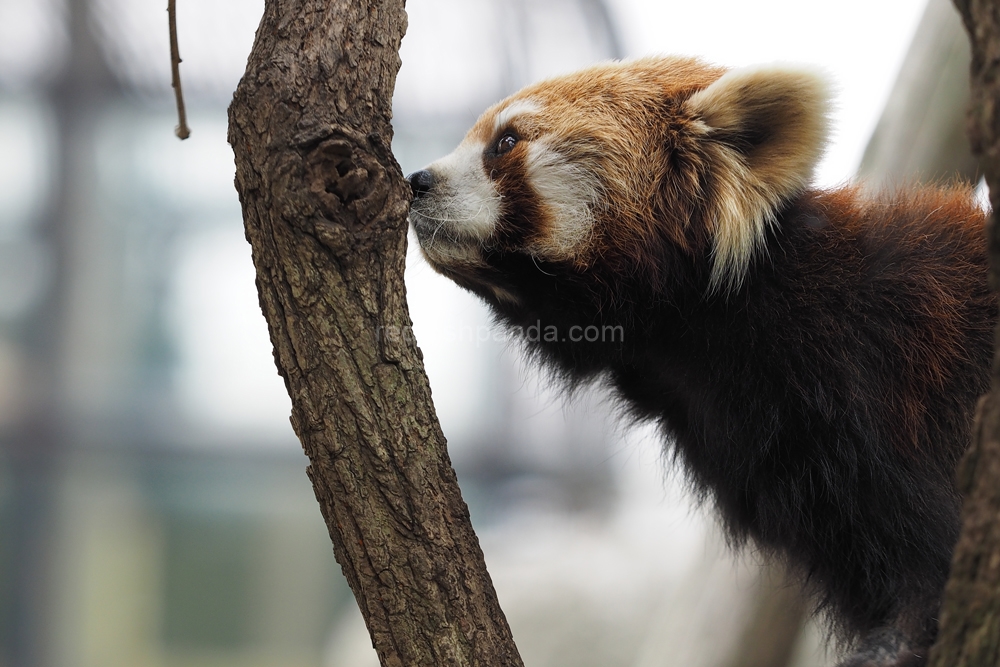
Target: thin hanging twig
x=182, y=131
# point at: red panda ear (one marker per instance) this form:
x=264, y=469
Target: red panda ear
x=764, y=130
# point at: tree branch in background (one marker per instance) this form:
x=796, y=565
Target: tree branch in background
x=325, y=205
x=970, y=613
x=182, y=131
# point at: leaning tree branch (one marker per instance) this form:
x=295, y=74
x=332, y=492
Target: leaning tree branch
x=182, y=131
x=325, y=206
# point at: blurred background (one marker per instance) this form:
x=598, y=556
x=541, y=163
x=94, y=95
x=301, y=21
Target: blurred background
x=153, y=504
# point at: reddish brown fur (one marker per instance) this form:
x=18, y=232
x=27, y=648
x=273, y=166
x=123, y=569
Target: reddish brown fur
x=613, y=105
x=914, y=222
x=706, y=192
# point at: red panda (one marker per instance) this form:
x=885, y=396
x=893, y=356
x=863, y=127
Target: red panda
x=812, y=356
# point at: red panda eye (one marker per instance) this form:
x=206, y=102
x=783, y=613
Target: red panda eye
x=506, y=144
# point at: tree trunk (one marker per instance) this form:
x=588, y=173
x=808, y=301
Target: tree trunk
x=970, y=613
x=325, y=207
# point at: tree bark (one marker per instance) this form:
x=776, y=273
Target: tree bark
x=325, y=204
x=970, y=613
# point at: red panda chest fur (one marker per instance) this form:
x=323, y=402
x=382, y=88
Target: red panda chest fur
x=814, y=357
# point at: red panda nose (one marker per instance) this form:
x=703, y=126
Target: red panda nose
x=421, y=182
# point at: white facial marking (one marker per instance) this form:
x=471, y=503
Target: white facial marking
x=569, y=192
x=513, y=110
x=465, y=202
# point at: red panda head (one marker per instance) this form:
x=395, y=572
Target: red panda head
x=597, y=171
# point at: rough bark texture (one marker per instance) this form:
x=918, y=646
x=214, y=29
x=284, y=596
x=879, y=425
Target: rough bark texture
x=325, y=208
x=970, y=614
